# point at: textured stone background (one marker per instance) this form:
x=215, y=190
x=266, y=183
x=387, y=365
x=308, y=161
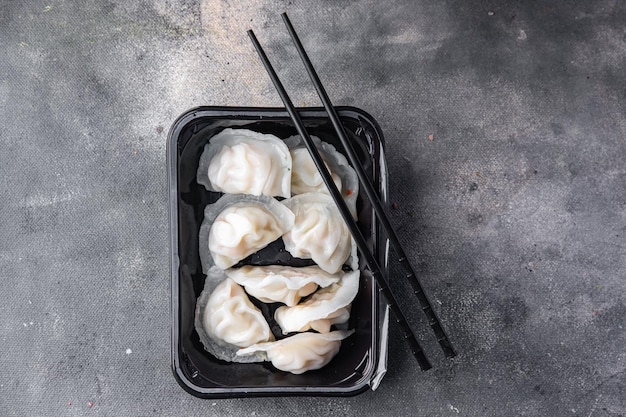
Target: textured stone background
x=515, y=211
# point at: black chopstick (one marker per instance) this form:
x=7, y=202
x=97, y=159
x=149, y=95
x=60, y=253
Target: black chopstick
x=418, y=291
x=361, y=243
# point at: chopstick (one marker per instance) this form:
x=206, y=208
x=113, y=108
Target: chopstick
x=411, y=276
x=377, y=272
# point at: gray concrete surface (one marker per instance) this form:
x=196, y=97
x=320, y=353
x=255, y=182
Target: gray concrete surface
x=515, y=211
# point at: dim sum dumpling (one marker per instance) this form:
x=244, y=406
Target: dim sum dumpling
x=319, y=231
x=283, y=284
x=226, y=320
x=231, y=317
x=305, y=178
x=301, y=352
x=240, y=161
x=328, y=306
x=238, y=225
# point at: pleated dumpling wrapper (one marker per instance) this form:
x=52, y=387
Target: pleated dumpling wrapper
x=305, y=178
x=282, y=284
x=319, y=231
x=226, y=320
x=301, y=352
x=328, y=306
x=241, y=161
x=239, y=225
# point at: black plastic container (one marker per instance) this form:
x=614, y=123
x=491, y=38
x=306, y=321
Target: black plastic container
x=359, y=362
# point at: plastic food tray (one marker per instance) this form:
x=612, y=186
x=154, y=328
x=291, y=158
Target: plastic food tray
x=361, y=362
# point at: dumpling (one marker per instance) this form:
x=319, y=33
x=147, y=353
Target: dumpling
x=301, y=352
x=305, y=178
x=319, y=232
x=238, y=225
x=282, y=284
x=240, y=161
x=328, y=306
x=229, y=316
x=226, y=320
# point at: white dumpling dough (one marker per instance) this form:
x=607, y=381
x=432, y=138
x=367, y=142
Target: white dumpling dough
x=301, y=352
x=282, y=284
x=229, y=316
x=305, y=178
x=319, y=231
x=239, y=225
x=226, y=320
x=241, y=161
x=328, y=306
x=241, y=230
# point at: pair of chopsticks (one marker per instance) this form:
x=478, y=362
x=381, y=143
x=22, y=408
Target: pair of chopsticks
x=377, y=272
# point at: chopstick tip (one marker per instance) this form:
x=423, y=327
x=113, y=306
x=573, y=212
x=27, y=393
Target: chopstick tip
x=252, y=36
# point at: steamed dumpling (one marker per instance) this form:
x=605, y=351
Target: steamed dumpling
x=226, y=320
x=229, y=316
x=319, y=231
x=282, y=284
x=301, y=352
x=328, y=306
x=240, y=161
x=305, y=178
x=238, y=225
